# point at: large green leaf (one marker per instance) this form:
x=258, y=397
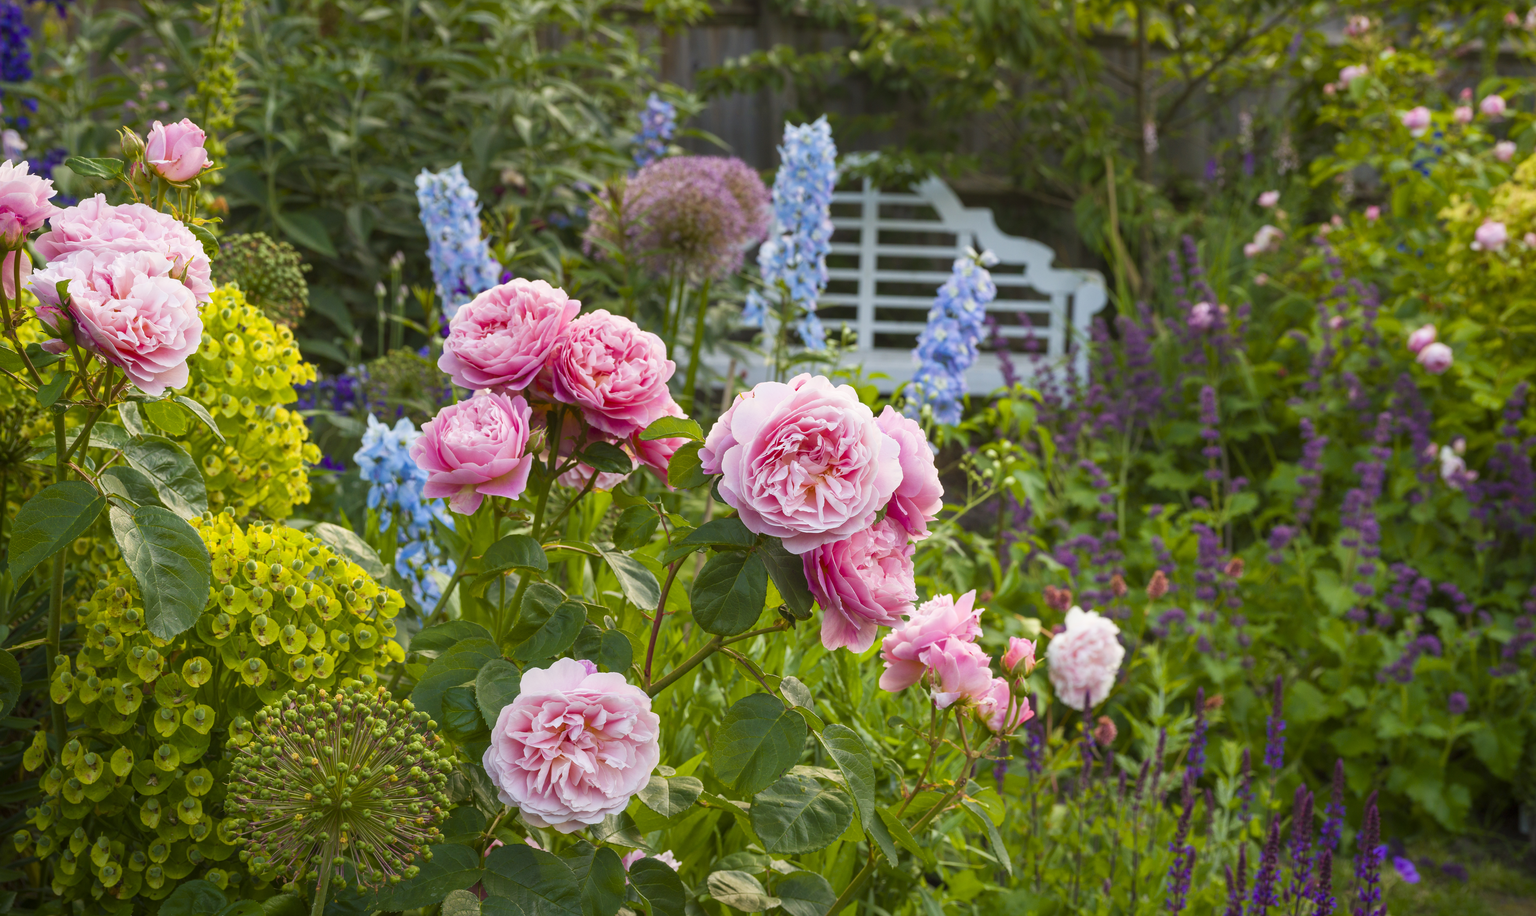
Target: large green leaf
x=638, y=584
x=460, y=903
x=172, y=471
x=534, y=881
x=453, y=867
x=98, y=168
x=540, y=634
x=658, y=884
x=608, y=458
x=672, y=428
x=349, y=544
x=805, y=893
x=600, y=875
x=49, y=521
x=993, y=837
x=729, y=593
x=671, y=796
x=800, y=814
x=496, y=686
x=846, y=749
x=126, y=483
x=460, y=664
x=194, y=898
x=10, y=682
x=788, y=572
x=634, y=527
x=168, y=415
x=759, y=740
x=515, y=551
x=434, y=640
x=684, y=471
x=170, y=563
x=724, y=533
x=307, y=230
x=740, y=890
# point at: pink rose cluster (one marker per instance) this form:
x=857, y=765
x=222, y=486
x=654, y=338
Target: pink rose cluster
x=1435, y=357
x=1084, y=658
x=135, y=280
x=806, y=462
x=523, y=342
x=936, y=644
x=574, y=746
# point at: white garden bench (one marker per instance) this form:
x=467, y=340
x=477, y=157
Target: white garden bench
x=892, y=250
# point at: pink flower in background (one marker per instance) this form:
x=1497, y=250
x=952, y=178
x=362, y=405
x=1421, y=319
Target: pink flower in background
x=1357, y=26
x=96, y=226
x=1421, y=338
x=667, y=858
x=908, y=647
x=1490, y=236
x=573, y=747
x=1416, y=120
x=24, y=202
x=1268, y=199
x=803, y=461
x=502, y=337
x=1462, y=114
x=474, y=449
x=613, y=371
x=1504, y=150
x=175, y=152
x=1020, y=650
x=1267, y=239
x=1492, y=106
x=962, y=672
x=1436, y=358
x=1350, y=74
x=1372, y=213
x=1530, y=237
x=920, y=495
x=862, y=583
x=1201, y=316
x=992, y=708
x=1084, y=659
x=129, y=310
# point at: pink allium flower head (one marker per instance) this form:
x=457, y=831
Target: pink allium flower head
x=24, y=202
x=1436, y=358
x=666, y=858
x=1020, y=650
x=1491, y=236
x=1416, y=120
x=474, y=449
x=1084, y=658
x=907, y=648
x=1349, y=74
x=1201, y=316
x=613, y=371
x=803, y=461
x=1492, y=106
x=1421, y=338
x=920, y=495
x=1268, y=199
x=992, y=708
x=862, y=583
x=175, y=152
x=573, y=747
x=1372, y=213
x=1504, y=150
x=95, y=225
x=502, y=337
x=129, y=310
x=1462, y=114
x=962, y=672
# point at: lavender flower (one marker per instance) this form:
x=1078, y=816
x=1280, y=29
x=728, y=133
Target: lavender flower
x=948, y=345
x=1301, y=845
x=462, y=265
x=1368, y=857
x=657, y=124
x=1274, y=748
x=1457, y=703
x=1245, y=783
x=1196, y=756
x=1237, y=885
x=1322, y=891
x=1333, y=815
x=1267, y=877
x=1208, y=432
x=1182, y=866
x=794, y=259
x=1311, y=482
x=15, y=45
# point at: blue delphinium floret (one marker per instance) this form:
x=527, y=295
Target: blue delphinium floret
x=462, y=264
x=657, y=124
x=948, y=345
x=795, y=255
x=394, y=486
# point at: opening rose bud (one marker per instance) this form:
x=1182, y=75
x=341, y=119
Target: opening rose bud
x=1436, y=358
x=1020, y=650
x=175, y=152
x=1492, y=107
x=1421, y=338
x=1491, y=236
x=474, y=449
x=1416, y=120
x=1504, y=151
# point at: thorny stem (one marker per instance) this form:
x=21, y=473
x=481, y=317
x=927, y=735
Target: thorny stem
x=687, y=665
x=661, y=612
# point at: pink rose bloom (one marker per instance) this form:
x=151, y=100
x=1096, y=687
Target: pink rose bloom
x=1462, y=114
x=1530, y=237
x=128, y=309
x=176, y=152
x=1084, y=658
x=1436, y=358
x=1421, y=338
x=1019, y=650
x=962, y=672
x=1201, y=316
x=95, y=225
x=503, y=336
x=1350, y=74
x=803, y=461
x=24, y=204
x=1372, y=213
x=1491, y=236
x=1269, y=199
x=573, y=747
x=1268, y=238
x=908, y=648
x=919, y=496
x=1416, y=120
x=862, y=583
x=474, y=449
x=1504, y=150
x=1492, y=107
x=666, y=857
x=992, y=708
x=613, y=371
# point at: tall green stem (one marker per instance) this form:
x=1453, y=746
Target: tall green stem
x=696, y=348
x=325, y=885
x=56, y=600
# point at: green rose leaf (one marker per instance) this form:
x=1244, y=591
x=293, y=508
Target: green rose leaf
x=684, y=471
x=457, y=666
x=53, y=389
x=453, y=867
x=739, y=890
x=671, y=796
x=658, y=885
x=759, y=740
x=515, y=551
x=540, y=635
x=672, y=428
x=207, y=239
x=535, y=882
x=600, y=874
x=720, y=533
x=993, y=837
x=496, y=686
x=168, y=415
x=805, y=893
x=201, y=413
x=49, y=521
x=638, y=583
x=350, y=545
x=729, y=593
x=607, y=457
x=106, y=169
x=173, y=473
x=443, y=636
x=788, y=572
x=461, y=720
x=169, y=561
x=616, y=653
x=194, y=898
x=800, y=814
x=847, y=750
x=126, y=483
x=634, y=527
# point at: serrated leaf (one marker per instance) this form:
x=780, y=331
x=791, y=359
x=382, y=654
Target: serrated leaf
x=107, y=169
x=49, y=522
x=684, y=470
x=739, y=890
x=205, y=238
x=538, y=635
x=437, y=638
x=638, y=583
x=847, y=750
x=126, y=483
x=805, y=893
x=457, y=666
x=634, y=527
x=759, y=739
x=496, y=686
x=729, y=592
x=200, y=412
x=671, y=796
x=537, y=883
x=788, y=574
x=600, y=875
x=169, y=562
x=658, y=885
x=453, y=867
x=672, y=428
x=608, y=458
x=168, y=415
x=173, y=473
x=53, y=389
x=515, y=551
x=800, y=814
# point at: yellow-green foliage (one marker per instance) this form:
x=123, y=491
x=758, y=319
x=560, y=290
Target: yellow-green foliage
x=129, y=807
x=244, y=372
x=1496, y=289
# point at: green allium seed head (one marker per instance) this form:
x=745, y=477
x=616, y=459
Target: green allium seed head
x=348, y=779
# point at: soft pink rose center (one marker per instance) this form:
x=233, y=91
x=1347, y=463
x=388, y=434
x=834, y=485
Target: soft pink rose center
x=806, y=462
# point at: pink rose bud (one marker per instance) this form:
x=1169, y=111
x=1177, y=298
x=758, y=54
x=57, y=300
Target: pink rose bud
x=1462, y=114
x=1372, y=213
x=55, y=346
x=1269, y=199
x=1084, y=659
x=175, y=152
x=1504, y=150
x=474, y=449
x=1491, y=236
x=1492, y=107
x=613, y=371
x=1416, y=120
x=919, y=496
x=1436, y=358
x=1350, y=74
x=600, y=752
x=502, y=337
x=908, y=650
x=24, y=204
x=1421, y=338
x=1019, y=650
x=862, y=583
x=993, y=706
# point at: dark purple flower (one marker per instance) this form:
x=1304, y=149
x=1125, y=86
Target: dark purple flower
x=1455, y=870
x=1196, y=756
x=1274, y=748
x=1457, y=703
x=1267, y=878
x=1181, y=868
x=1301, y=845
x=1245, y=784
x=1368, y=863
x=1322, y=891
x=1237, y=885
x=1333, y=815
